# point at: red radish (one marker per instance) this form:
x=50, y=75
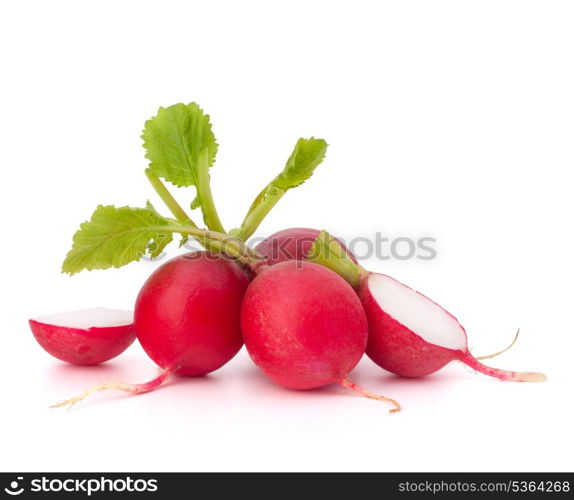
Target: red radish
x=187, y=313
x=290, y=244
x=412, y=336
x=187, y=318
x=85, y=337
x=304, y=326
x=409, y=334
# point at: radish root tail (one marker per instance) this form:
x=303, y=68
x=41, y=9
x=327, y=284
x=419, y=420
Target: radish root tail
x=512, y=376
x=119, y=386
x=507, y=348
x=349, y=384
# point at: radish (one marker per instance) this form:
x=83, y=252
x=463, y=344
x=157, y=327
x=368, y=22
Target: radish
x=187, y=313
x=290, y=244
x=304, y=327
x=187, y=318
x=409, y=334
x=85, y=337
x=412, y=336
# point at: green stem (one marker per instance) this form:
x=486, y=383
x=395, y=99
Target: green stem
x=168, y=199
x=219, y=242
x=174, y=206
x=327, y=251
x=210, y=215
x=259, y=210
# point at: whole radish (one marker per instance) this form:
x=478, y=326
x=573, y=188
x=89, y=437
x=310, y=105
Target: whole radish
x=86, y=337
x=187, y=318
x=290, y=244
x=187, y=313
x=304, y=326
x=409, y=334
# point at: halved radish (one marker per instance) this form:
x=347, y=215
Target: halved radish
x=86, y=337
x=412, y=336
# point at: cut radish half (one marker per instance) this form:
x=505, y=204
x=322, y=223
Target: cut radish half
x=412, y=336
x=86, y=337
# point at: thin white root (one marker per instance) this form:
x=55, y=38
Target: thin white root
x=489, y=356
x=119, y=386
x=349, y=384
x=102, y=387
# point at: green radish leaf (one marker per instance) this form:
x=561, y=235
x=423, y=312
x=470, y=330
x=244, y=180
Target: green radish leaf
x=305, y=158
x=181, y=148
x=174, y=139
x=307, y=155
x=114, y=237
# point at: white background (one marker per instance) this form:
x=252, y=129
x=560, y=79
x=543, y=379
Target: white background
x=450, y=119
